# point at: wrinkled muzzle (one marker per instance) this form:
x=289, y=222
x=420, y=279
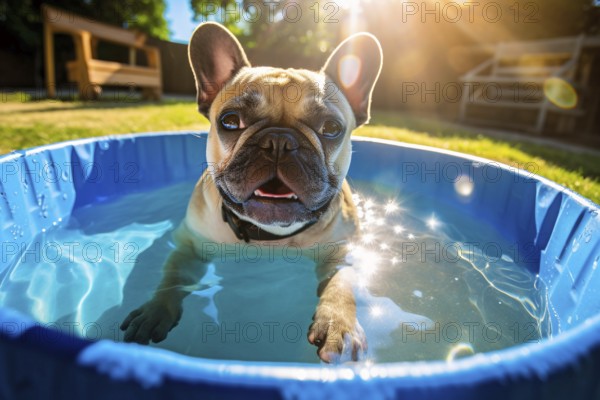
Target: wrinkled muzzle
x=278, y=177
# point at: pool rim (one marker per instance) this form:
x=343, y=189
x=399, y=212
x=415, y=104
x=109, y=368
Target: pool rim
x=538, y=358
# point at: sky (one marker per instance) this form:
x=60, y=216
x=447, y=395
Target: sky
x=179, y=17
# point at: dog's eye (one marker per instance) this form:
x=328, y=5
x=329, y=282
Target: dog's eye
x=231, y=121
x=331, y=128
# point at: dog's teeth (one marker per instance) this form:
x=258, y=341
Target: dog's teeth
x=260, y=193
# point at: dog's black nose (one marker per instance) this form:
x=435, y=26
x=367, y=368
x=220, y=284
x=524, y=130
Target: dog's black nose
x=278, y=142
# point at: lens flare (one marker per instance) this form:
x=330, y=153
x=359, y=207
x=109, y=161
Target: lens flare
x=464, y=186
x=349, y=69
x=560, y=93
x=460, y=350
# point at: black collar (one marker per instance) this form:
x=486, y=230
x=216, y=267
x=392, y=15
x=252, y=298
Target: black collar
x=247, y=231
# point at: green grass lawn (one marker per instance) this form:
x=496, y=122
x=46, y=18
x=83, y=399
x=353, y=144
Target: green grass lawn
x=31, y=123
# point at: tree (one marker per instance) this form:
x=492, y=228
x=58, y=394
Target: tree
x=21, y=20
x=288, y=32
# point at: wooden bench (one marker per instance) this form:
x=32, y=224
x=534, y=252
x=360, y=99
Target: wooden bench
x=86, y=70
x=516, y=74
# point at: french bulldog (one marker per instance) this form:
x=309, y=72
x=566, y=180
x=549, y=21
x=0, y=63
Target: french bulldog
x=278, y=149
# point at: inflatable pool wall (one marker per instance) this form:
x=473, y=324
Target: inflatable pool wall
x=556, y=229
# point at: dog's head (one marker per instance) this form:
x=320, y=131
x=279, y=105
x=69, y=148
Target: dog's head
x=279, y=145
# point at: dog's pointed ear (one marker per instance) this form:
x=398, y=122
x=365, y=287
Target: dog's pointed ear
x=354, y=66
x=215, y=57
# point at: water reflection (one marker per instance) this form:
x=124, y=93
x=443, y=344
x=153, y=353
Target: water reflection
x=420, y=279
x=426, y=289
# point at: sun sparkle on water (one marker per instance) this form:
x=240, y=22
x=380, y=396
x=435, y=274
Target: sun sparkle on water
x=368, y=238
x=433, y=223
x=391, y=207
x=376, y=311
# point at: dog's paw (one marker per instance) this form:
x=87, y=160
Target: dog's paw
x=152, y=321
x=339, y=337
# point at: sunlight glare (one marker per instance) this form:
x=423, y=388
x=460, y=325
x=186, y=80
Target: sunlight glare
x=365, y=264
x=349, y=4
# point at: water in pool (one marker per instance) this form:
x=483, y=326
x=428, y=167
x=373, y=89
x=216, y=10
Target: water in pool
x=432, y=284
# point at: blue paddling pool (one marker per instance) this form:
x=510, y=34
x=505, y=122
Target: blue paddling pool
x=59, y=296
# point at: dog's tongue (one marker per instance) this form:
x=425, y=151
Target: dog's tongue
x=275, y=189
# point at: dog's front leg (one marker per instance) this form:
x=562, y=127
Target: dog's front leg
x=154, y=319
x=335, y=329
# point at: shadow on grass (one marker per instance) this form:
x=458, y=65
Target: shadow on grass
x=99, y=105
x=109, y=100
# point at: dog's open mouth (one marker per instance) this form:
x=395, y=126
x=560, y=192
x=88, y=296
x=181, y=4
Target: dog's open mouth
x=275, y=189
